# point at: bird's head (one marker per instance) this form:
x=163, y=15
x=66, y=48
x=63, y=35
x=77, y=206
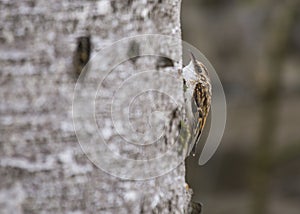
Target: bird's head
x=198, y=66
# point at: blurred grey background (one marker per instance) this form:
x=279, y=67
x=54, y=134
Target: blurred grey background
x=255, y=49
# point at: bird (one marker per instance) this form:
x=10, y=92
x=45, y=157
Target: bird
x=197, y=95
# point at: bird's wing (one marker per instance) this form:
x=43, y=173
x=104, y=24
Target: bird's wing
x=200, y=110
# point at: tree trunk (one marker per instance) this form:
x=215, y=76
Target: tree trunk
x=44, y=47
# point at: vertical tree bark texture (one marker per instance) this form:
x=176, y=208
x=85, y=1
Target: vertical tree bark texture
x=44, y=45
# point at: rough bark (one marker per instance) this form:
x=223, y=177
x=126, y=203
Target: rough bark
x=44, y=46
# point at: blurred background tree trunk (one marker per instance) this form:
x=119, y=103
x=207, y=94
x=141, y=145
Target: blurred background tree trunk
x=42, y=167
x=270, y=85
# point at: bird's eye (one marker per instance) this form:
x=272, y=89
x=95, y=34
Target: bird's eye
x=203, y=69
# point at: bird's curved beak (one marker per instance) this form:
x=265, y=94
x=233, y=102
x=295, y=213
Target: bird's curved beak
x=196, y=65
